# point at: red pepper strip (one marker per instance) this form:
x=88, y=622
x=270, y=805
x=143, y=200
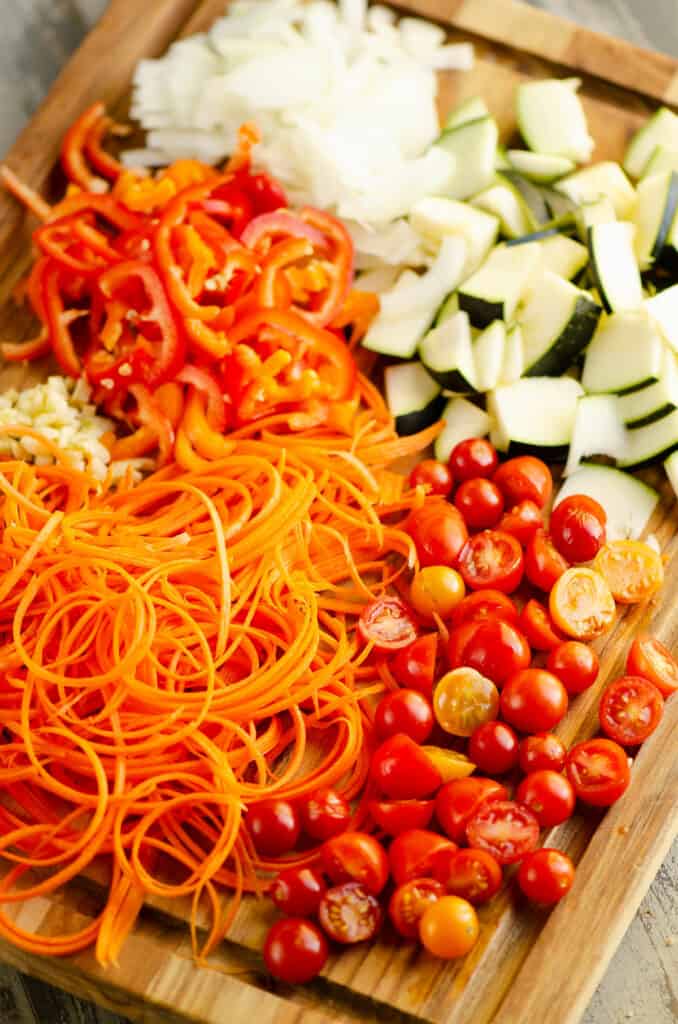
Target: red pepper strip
x=151, y=415
x=56, y=239
x=111, y=374
x=232, y=204
x=96, y=154
x=58, y=319
x=280, y=222
x=357, y=312
x=341, y=268
x=106, y=207
x=73, y=158
x=17, y=352
x=265, y=193
x=141, y=442
x=207, y=383
x=281, y=255
x=26, y=195
x=95, y=240
x=208, y=341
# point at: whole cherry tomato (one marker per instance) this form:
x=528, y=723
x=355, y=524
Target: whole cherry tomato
x=653, y=661
x=414, y=854
x=356, y=857
x=543, y=564
x=435, y=476
x=542, y=751
x=524, y=479
x=449, y=928
x=274, y=826
x=549, y=795
x=401, y=770
x=494, y=648
x=295, y=950
x=493, y=747
x=458, y=800
x=408, y=903
x=485, y=604
x=480, y=502
x=522, y=521
x=297, y=892
x=436, y=590
x=463, y=699
x=388, y=624
x=473, y=457
x=505, y=829
x=325, y=813
x=578, y=528
x=633, y=570
x=546, y=875
x=581, y=604
x=350, y=913
x=415, y=666
x=458, y=640
x=492, y=559
x=533, y=700
x=472, y=874
x=599, y=771
x=575, y=664
x=396, y=816
x=538, y=627
x=438, y=531
x=405, y=711
x=630, y=710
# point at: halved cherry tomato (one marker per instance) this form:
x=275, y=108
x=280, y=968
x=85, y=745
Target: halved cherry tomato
x=436, y=590
x=356, y=857
x=274, y=826
x=630, y=710
x=543, y=564
x=408, y=903
x=449, y=763
x=522, y=521
x=297, y=892
x=494, y=748
x=524, y=479
x=324, y=814
x=415, y=666
x=505, y=829
x=405, y=711
x=295, y=950
x=581, y=604
x=396, y=816
x=473, y=457
x=653, y=661
x=449, y=928
x=388, y=624
x=575, y=664
x=485, y=604
x=632, y=570
x=537, y=626
x=492, y=559
x=402, y=770
x=542, y=751
x=495, y=649
x=414, y=854
x=533, y=700
x=463, y=699
x=546, y=875
x=438, y=531
x=577, y=527
x=350, y=913
x=458, y=640
x=472, y=874
x=549, y=795
x=435, y=476
x=458, y=801
x=599, y=771
x=480, y=502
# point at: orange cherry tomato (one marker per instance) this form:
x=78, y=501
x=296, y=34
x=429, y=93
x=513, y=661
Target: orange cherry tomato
x=464, y=699
x=449, y=928
x=436, y=590
x=653, y=661
x=632, y=570
x=581, y=604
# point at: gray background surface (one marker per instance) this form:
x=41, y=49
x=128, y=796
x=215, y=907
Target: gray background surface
x=641, y=984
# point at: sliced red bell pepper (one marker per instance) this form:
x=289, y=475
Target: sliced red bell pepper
x=73, y=159
x=151, y=415
x=205, y=382
x=58, y=319
x=340, y=266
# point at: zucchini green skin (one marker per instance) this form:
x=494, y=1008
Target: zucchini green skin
x=652, y=417
x=413, y=422
x=534, y=236
x=594, y=275
x=481, y=312
x=548, y=453
x=571, y=343
x=451, y=380
x=532, y=196
x=668, y=217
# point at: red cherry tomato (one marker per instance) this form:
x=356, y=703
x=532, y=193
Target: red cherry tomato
x=492, y=559
x=522, y=521
x=274, y=827
x=505, y=829
x=401, y=770
x=630, y=710
x=525, y=479
x=297, y=892
x=537, y=625
x=480, y=502
x=495, y=649
x=533, y=700
x=350, y=913
x=404, y=711
x=438, y=531
x=295, y=950
x=458, y=801
x=408, y=903
x=543, y=564
x=388, y=624
x=549, y=795
x=485, y=604
x=435, y=476
x=414, y=854
x=542, y=751
x=493, y=748
x=653, y=661
x=356, y=857
x=576, y=665
x=324, y=814
x=546, y=875
x=415, y=666
x=599, y=771
x=458, y=640
x=472, y=874
x=396, y=816
x=473, y=457
x=578, y=528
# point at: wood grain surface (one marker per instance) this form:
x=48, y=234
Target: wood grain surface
x=640, y=984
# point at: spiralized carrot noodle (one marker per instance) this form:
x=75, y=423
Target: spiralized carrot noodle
x=176, y=651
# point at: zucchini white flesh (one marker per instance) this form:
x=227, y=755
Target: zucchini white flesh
x=462, y=419
x=532, y=196
x=436, y=218
x=447, y=354
x=660, y=130
x=628, y=502
x=540, y=167
x=559, y=254
x=663, y=159
x=604, y=179
x=600, y=211
x=535, y=414
x=503, y=201
x=474, y=147
x=638, y=408
x=561, y=208
x=626, y=353
x=449, y=307
x=655, y=441
x=413, y=397
x=598, y=430
x=552, y=120
x=494, y=291
x=557, y=322
x=654, y=217
x=614, y=267
x=671, y=468
x=489, y=350
x=663, y=308
x=502, y=162
x=514, y=361
x=472, y=109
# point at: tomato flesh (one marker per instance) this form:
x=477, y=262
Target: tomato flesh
x=349, y=913
x=505, y=829
x=458, y=801
x=630, y=710
x=408, y=903
x=633, y=570
x=538, y=627
x=463, y=699
x=653, y=661
x=388, y=624
x=414, y=854
x=581, y=604
x=474, y=875
x=492, y=559
x=599, y=771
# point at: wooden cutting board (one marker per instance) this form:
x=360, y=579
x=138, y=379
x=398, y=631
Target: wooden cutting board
x=528, y=967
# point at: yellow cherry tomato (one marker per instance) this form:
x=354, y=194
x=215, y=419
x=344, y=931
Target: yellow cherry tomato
x=632, y=570
x=450, y=763
x=464, y=699
x=581, y=604
x=449, y=928
x=436, y=590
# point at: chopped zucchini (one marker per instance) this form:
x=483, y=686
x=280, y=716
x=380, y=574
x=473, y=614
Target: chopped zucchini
x=660, y=130
x=436, y=218
x=655, y=214
x=449, y=307
x=552, y=120
x=474, y=147
x=557, y=322
x=663, y=308
x=489, y=349
x=663, y=159
x=626, y=353
x=605, y=179
x=540, y=167
x=614, y=267
x=652, y=442
x=514, y=361
x=447, y=354
x=600, y=211
x=502, y=162
x=532, y=196
x=505, y=202
x=628, y=502
x=638, y=408
x=472, y=109
x=559, y=254
x=413, y=398
x=462, y=420
x=598, y=430
x=494, y=291
x=671, y=468
x=535, y=414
